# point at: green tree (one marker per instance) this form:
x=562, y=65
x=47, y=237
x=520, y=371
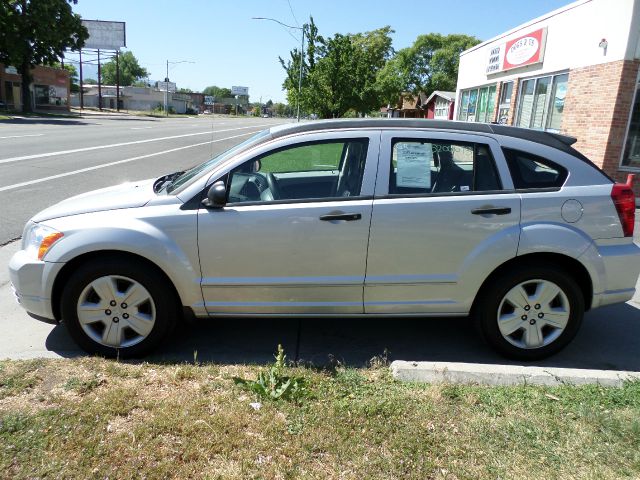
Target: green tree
x=281, y=109
x=218, y=92
x=431, y=63
x=185, y=90
x=339, y=73
x=292, y=67
x=90, y=81
x=130, y=70
x=34, y=32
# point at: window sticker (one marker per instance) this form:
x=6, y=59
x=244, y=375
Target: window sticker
x=414, y=165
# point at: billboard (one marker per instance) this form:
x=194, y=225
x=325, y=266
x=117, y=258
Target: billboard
x=105, y=35
x=239, y=90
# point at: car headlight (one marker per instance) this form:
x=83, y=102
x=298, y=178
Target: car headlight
x=38, y=239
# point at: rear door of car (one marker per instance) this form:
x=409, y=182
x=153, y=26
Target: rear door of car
x=444, y=216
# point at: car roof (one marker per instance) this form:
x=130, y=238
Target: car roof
x=561, y=142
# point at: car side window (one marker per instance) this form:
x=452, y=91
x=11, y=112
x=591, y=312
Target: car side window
x=426, y=166
x=316, y=170
x=531, y=171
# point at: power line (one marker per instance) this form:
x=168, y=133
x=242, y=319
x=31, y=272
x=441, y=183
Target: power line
x=293, y=14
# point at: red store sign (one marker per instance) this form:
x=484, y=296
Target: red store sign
x=525, y=50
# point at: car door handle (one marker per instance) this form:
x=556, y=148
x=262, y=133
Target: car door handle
x=349, y=217
x=491, y=211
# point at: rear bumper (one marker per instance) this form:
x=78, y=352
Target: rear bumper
x=620, y=267
x=32, y=282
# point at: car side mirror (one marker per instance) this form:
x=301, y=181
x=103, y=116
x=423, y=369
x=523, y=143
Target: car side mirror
x=216, y=196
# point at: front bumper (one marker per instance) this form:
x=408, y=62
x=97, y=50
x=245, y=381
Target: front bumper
x=32, y=283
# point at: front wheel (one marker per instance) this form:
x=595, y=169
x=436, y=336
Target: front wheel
x=531, y=312
x=117, y=308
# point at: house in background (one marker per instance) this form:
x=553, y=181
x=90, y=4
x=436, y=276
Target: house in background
x=50, y=88
x=440, y=105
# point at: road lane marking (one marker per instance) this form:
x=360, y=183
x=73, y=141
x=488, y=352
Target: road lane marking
x=110, y=164
x=21, y=136
x=113, y=145
x=145, y=128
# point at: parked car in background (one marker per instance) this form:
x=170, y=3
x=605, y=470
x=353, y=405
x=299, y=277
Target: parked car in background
x=350, y=218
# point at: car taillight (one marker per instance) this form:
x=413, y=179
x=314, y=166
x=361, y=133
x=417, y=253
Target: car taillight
x=625, y=202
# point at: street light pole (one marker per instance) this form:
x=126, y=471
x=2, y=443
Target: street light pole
x=300, y=77
x=166, y=82
x=301, y=54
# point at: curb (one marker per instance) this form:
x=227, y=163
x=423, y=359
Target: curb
x=488, y=374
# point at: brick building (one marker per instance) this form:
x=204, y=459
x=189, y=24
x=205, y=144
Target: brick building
x=49, y=88
x=574, y=71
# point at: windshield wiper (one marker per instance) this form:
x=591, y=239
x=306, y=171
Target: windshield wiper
x=165, y=180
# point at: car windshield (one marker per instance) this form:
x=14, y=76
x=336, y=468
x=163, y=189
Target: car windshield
x=186, y=177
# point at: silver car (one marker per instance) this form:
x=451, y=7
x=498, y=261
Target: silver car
x=343, y=218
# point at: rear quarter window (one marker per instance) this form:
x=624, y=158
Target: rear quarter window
x=530, y=171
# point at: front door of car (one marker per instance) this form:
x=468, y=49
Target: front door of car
x=444, y=216
x=292, y=237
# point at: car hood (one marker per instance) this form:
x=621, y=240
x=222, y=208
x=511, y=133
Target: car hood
x=126, y=195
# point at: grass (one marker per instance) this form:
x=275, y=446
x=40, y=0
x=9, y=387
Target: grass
x=92, y=418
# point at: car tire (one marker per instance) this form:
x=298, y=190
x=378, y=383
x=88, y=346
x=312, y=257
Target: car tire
x=530, y=312
x=115, y=307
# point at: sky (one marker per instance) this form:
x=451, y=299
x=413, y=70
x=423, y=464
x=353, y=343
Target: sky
x=227, y=48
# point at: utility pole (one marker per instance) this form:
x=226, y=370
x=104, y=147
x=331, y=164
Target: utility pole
x=99, y=84
x=300, y=77
x=117, y=81
x=81, y=91
x=166, y=92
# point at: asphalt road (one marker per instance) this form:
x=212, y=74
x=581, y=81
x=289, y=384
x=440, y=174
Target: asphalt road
x=81, y=154
x=609, y=338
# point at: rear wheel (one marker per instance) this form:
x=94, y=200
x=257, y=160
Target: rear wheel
x=114, y=307
x=531, y=312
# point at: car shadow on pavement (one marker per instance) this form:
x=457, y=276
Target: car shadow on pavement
x=609, y=339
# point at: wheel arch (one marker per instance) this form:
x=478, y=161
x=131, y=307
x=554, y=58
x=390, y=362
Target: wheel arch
x=572, y=266
x=71, y=266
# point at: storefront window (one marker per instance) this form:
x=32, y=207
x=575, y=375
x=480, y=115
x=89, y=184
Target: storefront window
x=542, y=102
x=478, y=104
x=557, y=102
x=42, y=94
x=47, y=95
x=631, y=156
x=473, y=101
x=464, y=105
x=491, y=103
x=505, y=102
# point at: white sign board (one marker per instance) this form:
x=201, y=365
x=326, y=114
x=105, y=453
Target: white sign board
x=167, y=87
x=105, y=35
x=208, y=100
x=11, y=70
x=239, y=90
x=414, y=162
